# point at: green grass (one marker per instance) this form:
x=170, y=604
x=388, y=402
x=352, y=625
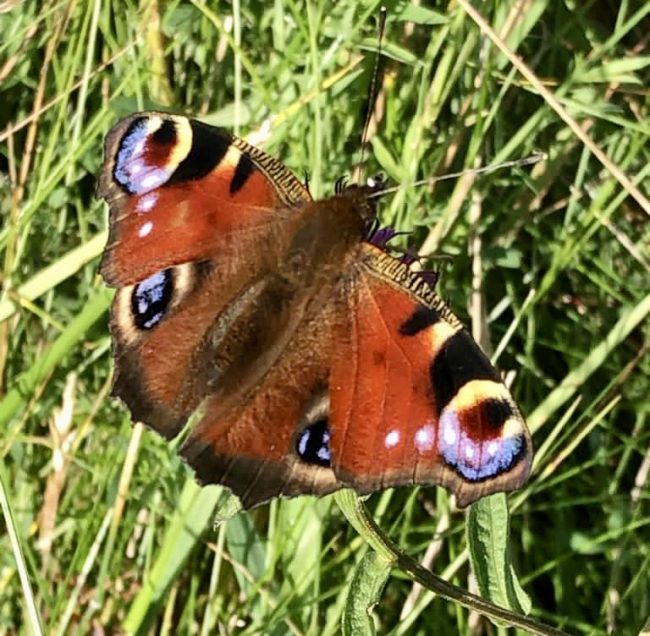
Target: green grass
x=550, y=265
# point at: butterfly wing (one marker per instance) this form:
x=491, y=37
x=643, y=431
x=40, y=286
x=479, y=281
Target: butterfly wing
x=190, y=205
x=168, y=337
x=413, y=399
x=270, y=437
x=177, y=187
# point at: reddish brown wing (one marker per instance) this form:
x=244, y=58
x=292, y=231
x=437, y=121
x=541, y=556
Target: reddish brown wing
x=272, y=439
x=382, y=388
x=166, y=334
x=413, y=400
x=177, y=187
x=189, y=209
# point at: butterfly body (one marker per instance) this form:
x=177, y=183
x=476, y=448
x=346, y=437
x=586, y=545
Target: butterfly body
x=315, y=359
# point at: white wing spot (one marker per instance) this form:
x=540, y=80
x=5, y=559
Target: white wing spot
x=392, y=438
x=145, y=229
x=469, y=452
x=147, y=202
x=449, y=433
x=493, y=448
x=153, y=180
x=424, y=438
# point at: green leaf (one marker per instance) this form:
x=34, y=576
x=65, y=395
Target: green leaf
x=488, y=529
x=24, y=385
x=618, y=71
x=301, y=526
x=406, y=12
x=368, y=581
x=583, y=543
x=246, y=548
x=392, y=51
x=387, y=160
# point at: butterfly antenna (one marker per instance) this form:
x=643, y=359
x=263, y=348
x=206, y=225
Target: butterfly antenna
x=372, y=92
x=535, y=157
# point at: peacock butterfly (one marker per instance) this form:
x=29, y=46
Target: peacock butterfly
x=313, y=357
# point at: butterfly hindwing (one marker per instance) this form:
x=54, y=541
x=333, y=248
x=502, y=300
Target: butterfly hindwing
x=166, y=341
x=271, y=439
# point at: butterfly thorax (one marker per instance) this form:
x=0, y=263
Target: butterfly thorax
x=325, y=237
x=306, y=259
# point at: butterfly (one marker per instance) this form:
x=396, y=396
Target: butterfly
x=308, y=357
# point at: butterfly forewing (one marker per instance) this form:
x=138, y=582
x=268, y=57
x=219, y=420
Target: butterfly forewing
x=177, y=187
x=413, y=398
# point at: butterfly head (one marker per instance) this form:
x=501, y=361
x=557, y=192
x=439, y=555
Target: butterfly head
x=363, y=196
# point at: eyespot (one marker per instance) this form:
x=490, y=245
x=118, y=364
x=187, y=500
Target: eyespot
x=313, y=444
x=151, y=299
x=477, y=460
x=143, y=155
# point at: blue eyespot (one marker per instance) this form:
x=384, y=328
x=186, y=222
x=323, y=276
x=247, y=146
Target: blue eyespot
x=313, y=444
x=151, y=298
x=135, y=170
x=477, y=460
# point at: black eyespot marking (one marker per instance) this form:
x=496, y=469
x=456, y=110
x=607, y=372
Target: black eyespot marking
x=209, y=147
x=166, y=134
x=313, y=444
x=422, y=318
x=458, y=362
x=151, y=298
x=497, y=412
x=245, y=168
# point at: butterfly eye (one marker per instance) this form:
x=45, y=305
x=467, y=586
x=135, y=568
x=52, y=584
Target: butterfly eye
x=151, y=298
x=313, y=444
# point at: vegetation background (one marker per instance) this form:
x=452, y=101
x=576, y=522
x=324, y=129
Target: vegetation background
x=105, y=531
